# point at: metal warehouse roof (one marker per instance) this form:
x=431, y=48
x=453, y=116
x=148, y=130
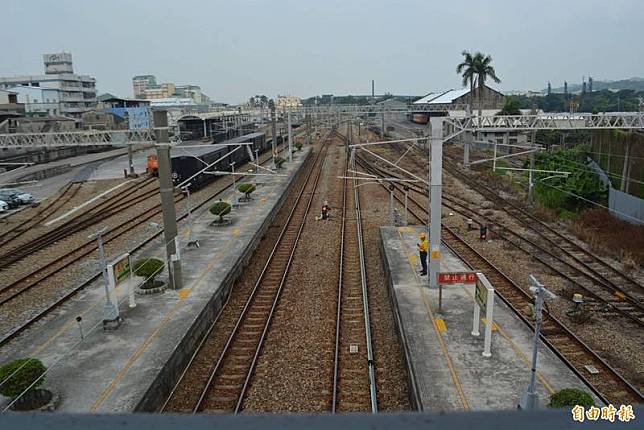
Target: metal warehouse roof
x=445, y=97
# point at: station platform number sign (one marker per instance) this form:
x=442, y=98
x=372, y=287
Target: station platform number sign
x=457, y=278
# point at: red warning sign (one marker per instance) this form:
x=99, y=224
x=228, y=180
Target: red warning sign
x=457, y=278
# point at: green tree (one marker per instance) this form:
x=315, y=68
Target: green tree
x=484, y=70
x=467, y=69
x=19, y=374
x=512, y=107
x=148, y=268
x=220, y=209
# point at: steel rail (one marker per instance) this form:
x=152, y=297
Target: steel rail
x=198, y=407
x=468, y=212
x=365, y=296
x=41, y=314
x=554, y=331
x=19, y=229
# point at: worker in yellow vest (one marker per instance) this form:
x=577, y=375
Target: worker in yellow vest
x=423, y=246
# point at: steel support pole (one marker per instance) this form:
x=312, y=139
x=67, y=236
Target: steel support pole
x=129, y=159
x=167, y=199
x=531, y=174
x=435, y=195
x=290, y=138
x=623, y=184
x=274, y=131
x=383, y=124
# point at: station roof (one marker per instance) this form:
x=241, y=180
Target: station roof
x=445, y=97
x=208, y=115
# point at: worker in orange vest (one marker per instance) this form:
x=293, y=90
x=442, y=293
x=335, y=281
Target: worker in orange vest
x=423, y=246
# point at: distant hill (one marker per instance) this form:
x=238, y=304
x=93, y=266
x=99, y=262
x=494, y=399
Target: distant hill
x=635, y=84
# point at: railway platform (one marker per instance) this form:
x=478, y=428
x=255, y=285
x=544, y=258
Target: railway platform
x=134, y=367
x=446, y=368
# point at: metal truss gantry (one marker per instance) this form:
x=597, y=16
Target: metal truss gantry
x=78, y=138
x=453, y=126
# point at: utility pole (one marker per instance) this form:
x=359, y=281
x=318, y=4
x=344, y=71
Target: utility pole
x=383, y=124
x=435, y=194
x=467, y=136
x=274, y=127
x=530, y=399
x=110, y=309
x=167, y=199
x=309, y=129
x=531, y=174
x=290, y=138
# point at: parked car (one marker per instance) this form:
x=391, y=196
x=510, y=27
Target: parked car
x=10, y=198
x=4, y=206
x=24, y=197
x=21, y=197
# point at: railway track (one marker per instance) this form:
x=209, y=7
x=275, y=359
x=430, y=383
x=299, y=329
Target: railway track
x=41, y=215
x=602, y=271
x=96, y=214
x=354, y=381
x=602, y=295
x=605, y=381
x=11, y=293
x=226, y=380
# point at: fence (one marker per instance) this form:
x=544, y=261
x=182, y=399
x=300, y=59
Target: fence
x=622, y=205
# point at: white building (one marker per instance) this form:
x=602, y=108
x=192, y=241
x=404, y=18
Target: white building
x=75, y=93
x=39, y=100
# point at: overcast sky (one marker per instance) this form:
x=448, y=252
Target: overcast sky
x=234, y=49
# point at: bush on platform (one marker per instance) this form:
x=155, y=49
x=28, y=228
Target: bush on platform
x=570, y=397
x=220, y=209
x=21, y=374
x=148, y=268
x=298, y=146
x=279, y=161
x=246, y=189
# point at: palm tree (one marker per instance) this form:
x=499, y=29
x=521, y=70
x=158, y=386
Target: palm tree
x=484, y=70
x=468, y=70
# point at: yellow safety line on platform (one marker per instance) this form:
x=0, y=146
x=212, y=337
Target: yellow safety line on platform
x=441, y=342
x=72, y=321
x=527, y=361
x=108, y=390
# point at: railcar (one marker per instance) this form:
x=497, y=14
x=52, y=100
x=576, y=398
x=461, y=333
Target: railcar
x=188, y=162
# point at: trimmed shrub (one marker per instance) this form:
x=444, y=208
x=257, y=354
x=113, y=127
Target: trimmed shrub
x=570, y=397
x=30, y=370
x=298, y=146
x=246, y=189
x=220, y=209
x=279, y=161
x=148, y=268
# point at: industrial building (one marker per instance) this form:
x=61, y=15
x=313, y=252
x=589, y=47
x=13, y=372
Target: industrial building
x=59, y=91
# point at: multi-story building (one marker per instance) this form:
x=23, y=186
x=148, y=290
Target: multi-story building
x=141, y=83
x=285, y=102
x=162, y=91
x=75, y=93
x=146, y=87
x=191, y=92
